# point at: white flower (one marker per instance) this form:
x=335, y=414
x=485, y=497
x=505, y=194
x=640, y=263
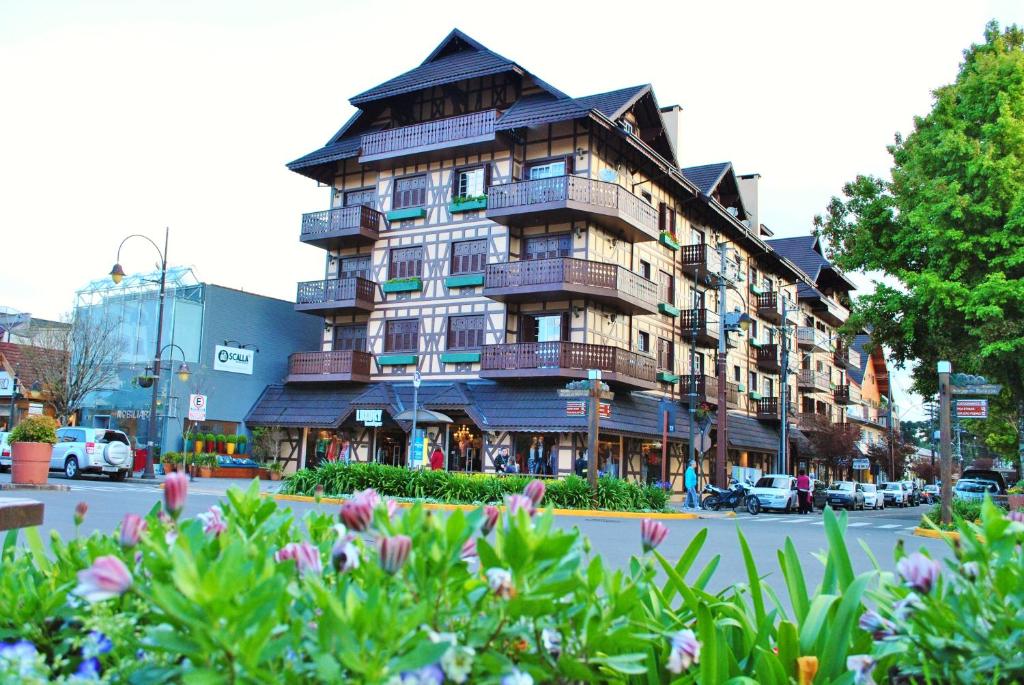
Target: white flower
x=517, y=677
x=436, y=637
x=861, y=665
x=457, y=663
x=685, y=651
x=552, y=640
x=500, y=582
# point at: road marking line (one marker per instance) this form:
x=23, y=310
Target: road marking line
x=890, y=525
x=819, y=523
x=910, y=528
x=767, y=519
x=858, y=524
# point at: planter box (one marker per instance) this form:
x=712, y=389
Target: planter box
x=468, y=205
x=668, y=309
x=667, y=240
x=755, y=395
x=460, y=357
x=404, y=214
x=396, y=359
x=666, y=377
x=221, y=472
x=464, y=281
x=756, y=289
x=404, y=285
x=30, y=462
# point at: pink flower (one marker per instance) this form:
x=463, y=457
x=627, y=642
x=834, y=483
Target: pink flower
x=175, y=492
x=305, y=555
x=516, y=502
x=107, y=577
x=392, y=507
x=652, y=534
x=345, y=555
x=213, y=521
x=132, y=528
x=393, y=552
x=535, y=491
x=685, y=651
x=80, y=511
x=468, y=550
x=491, y=514
x=1016, y=516
x=357, y=514
x=861, y=665
x=918, y=571
x=370, y=496
x=318, y=493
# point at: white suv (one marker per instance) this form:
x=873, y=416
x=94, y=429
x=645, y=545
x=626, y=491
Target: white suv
x=93, y=450
x=5, y=452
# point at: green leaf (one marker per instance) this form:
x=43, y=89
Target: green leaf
x=423, y=654
x=793, y=574
x=753, y=579
x=838, y=555
x=623, y=663
x=35, y=544
x=686, y=560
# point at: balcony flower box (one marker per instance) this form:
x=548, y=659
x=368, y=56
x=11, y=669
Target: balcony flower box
x=408, y=213
x=396, y=359
x=756, y=289
x=403, y=285
x=666, y=377
x=668, y=240
x=668, y=309
x=467, y=204
x=464, y=281
x=755, y=395
x=460, y=357
x=756, y=343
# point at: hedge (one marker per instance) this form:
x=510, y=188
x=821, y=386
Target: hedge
x=450, y=487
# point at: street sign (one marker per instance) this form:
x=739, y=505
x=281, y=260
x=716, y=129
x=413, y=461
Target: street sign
x=576, y=408
x=861, y=464
x=668, y=407
x=604, y=410
x=197, y=407
x=369, y=417
x=575, y=392
x=971, y=409
x=980, y=389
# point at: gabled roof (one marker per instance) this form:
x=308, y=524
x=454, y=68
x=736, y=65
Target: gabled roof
x=32, y=365
x=613, y=104
x=806, y=252
x=294, y=406
x=707, y=176
x=860, y=345
x=542, y=108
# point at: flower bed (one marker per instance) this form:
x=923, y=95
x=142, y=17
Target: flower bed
x=962, y=511
x=247, y=594
x=452, y=487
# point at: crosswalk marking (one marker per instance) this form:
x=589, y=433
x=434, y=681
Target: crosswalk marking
x=890, y=525
x=767, y=519
x=857, y=524
x=819, y=523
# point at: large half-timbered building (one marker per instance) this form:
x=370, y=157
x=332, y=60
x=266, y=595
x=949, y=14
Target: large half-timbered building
x=501, y=238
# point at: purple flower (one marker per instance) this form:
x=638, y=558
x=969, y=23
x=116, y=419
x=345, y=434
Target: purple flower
x=96, y=643
x=369, y=495
x=393, y=552
x=491, y=514
x=89, y=669
x=652, y=534
x=80, y=511
x=906, y=607
x=428, y=675
x=19, y=657
x=392, y=507
x=344, y=555
x=918, y=572
x=876, y=624
x=1016, y=516
x=685, y=651
x=175, y=493
x=213, y=521
x=861, y=665
x=552, y=640
x=468, y=550
x=305, y=555
x=971, y=570
x=535, y=491
x=516, y=502
x=132, y=528
x=107, y=577
x=517, y=677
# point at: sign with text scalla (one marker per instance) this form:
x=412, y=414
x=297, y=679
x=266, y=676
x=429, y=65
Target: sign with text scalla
x=232, y=359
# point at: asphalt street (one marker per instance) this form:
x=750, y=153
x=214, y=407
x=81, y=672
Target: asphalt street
x=614, y=539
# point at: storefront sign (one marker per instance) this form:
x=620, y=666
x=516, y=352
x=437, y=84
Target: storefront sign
x=35, y=408
x=972, y=409
x=369, y=417
x=131, y=413
x=580, y=409
x=197, y=407
x=861, y=464
x=232, y=359
x=419, y=449
x=6, y=384
x=604, y=410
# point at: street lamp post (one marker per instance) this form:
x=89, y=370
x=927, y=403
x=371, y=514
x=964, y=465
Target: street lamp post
x=184, y=373
x=416, y=380
x=727, y=322
x=116, y=275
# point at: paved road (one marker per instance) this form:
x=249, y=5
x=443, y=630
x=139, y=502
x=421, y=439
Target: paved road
x=615, y=539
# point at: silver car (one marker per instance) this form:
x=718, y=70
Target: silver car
x=92, y=450
x=5, y=452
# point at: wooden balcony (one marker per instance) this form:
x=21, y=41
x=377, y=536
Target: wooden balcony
x=342, y=227
x=810, y=422
x=699, y=325
x=732, y=395
x=564, y=198
x=768, y=358
x=567, y=278
x=810, y=338
x=769, y=307
x=568, y=360
x=329, y=366
x=702, y=261
x=828, y=309
x=842, y=395
x=440, y=134
x=767, y=409
x=845, y=357
x=335, y=296
x=809, y=380
x=704, y=389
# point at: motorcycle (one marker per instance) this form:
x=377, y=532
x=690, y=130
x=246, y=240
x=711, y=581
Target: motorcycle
x=737, y=494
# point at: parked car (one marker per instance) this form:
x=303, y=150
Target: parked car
x=776, y=491
x=894, y=494
x=913, y=493
x=873, y=498
x=931, y=494
x=91, y=450
x=846, y=494
x=973, y=490
x=5, y=452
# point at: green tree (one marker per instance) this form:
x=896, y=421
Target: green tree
x=949, y=226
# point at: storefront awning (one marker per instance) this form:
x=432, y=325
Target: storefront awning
x=424, y=416
x=294, y=406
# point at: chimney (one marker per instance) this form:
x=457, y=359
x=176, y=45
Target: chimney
x=748, y=193
x=672, y=117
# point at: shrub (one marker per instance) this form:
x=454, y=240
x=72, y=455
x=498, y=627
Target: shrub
x=242, y=438
x=231, y=439
x=34, y=429
x=962, y=509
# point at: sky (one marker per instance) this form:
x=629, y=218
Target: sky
x=129, y=117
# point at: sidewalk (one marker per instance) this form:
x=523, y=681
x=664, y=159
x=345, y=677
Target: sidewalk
x=209, y=486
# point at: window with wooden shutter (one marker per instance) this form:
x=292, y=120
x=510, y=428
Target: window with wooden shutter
x=666, y=355
x=469, y=256
x=471, y=182
x=465, y=332
x=643, y=341
x=363, y=196
x=406, y=262
x=667, y=287
x=352, y=267
x=548, y=246
x=645, y=269
x=410, y=191
x=662, y=216
x=401, y=335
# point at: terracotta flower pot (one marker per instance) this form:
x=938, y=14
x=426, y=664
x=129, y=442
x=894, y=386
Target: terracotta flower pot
x=275, y=475
x=30, y=462
x=205, y=471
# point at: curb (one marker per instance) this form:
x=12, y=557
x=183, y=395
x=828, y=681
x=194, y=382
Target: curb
x=28, y=486
x=717, y=515
x=590, y=513
x=936, y=534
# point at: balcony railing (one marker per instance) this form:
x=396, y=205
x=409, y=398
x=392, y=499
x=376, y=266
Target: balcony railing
x=698, y=324
x=768, y=358
x=334, y=228
x=565, y=277
x=700, y=260
x=812, y=421
x=810, y=338
x=568, y=360
x=732, y=394
x=768, y=409
x=830, y=310
x=335, y=295
x=331, y=365
x=842, y=395
x=845, y=357
x=544, y=199
x=813, y=381
x=431, y=135
x=704, y=387
x=768, y=307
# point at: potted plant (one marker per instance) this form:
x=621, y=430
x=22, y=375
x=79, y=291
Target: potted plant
x=171, y=461
x=198, y=443
x=229, y=443
x=1016, y=496
x=207, y=463
x=209, y=442
x=32, y=443
x=276, y=468
x=220, y=443
x=243, y=443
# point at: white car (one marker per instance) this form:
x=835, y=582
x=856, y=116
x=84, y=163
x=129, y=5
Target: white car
x=5, y=452
x=894, y=494
x=92, y=450
x=776, y=491
x=873, y=499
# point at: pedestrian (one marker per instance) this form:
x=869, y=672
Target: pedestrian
x=581, y=464
x=690, y=482
x=437, y=458
x=803, y=492
x=552, y=462
x=501, y=460
x=512, y=466
x=532, y=463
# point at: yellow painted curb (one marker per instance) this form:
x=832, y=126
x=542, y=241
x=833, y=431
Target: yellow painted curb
x=470, y=507
x=936, y=534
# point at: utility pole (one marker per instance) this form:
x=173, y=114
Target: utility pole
x=594, y=425
x=722, y=451
x=783, y=391
x=944, y=369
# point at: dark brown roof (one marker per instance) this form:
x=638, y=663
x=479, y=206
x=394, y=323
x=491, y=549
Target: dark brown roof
x=295, y=406
x=26, y=361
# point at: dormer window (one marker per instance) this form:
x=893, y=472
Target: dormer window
x=626, y=126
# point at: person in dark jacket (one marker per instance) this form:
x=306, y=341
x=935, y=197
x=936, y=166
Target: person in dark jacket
x=581, y=464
